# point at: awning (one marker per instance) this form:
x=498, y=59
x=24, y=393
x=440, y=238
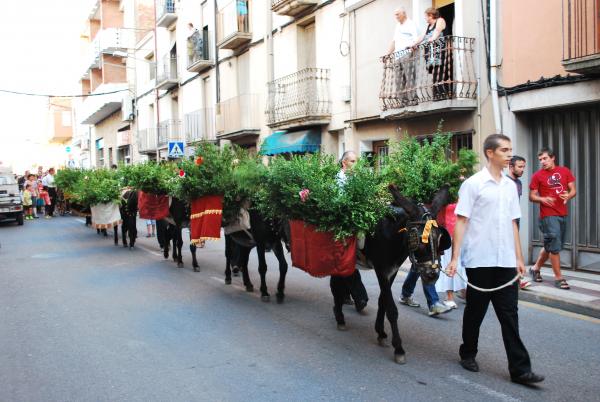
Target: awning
x=281, y=142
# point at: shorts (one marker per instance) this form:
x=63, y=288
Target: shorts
x=150, y=222
x=554, y=229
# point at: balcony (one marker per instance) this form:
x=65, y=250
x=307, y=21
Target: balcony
x=199, y=125
x=581, y=36
x=165, y=13
x=169, y=130
x=84, y=144
x=299, y=99
x=239, y=117
x=434, y=77
x=233, y=25
x=199, y=52
x=291, y=7
x=112, y=41
x=147, y=140
x=123, y=138
x=94, y=109
x=166, y=76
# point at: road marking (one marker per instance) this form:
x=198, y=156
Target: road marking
x=148, y=250
x=559, y=312
x=80, y=220
x=220, y=280
x=482, y=388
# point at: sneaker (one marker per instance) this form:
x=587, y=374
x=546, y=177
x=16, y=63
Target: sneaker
x=409, y=302
x=437, y=309
x=528, y=378
x=450, y=303
x=535, y=275
x=47, y=217
x=523, y=284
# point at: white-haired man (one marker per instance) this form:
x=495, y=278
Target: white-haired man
x=405, y=35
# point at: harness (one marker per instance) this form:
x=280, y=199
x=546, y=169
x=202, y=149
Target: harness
x=429, y=269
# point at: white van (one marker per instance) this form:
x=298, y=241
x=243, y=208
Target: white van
x=11, y=205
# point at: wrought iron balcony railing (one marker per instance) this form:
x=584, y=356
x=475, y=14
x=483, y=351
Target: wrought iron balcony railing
x=299, y=99
x=169, y=130
x=233, y=25
x=147, y=140
x=165, y=13
x=581, y=36
x=166, y=76
x=437, y=71
x=199, y=125
x=199, y=51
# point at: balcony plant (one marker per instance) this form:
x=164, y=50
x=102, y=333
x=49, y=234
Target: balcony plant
x=419, y=169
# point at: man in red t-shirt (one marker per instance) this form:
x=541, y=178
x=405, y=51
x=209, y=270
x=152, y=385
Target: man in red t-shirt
x=551, y=187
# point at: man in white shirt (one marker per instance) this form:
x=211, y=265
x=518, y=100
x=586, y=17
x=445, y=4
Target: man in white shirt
x=50, y=186
x=405, y=35
x=486, y=227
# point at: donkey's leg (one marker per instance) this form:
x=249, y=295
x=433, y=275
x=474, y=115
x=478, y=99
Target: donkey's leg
x=283, y=267
x=228, y=258
x=338, y=290
x=116, y=234
x=243, y=263
x=132, y=229
x=380, y=321
x=124, y=230
x=391, y=311
x=179, y=246
x=193, y=249
x=262, y=270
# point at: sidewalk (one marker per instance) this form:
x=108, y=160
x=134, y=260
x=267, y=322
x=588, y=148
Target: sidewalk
x=582, y=298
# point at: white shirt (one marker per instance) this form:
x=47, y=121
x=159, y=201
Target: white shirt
x=405, y=35
x=48, y=180
x=490, y=207
x=341, y=178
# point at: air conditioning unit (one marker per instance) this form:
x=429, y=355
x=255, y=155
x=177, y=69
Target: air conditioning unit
x=127, y=109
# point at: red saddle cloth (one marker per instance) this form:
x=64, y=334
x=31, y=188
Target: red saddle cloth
x=206, y=217
x=153, y=206
x=319, y=254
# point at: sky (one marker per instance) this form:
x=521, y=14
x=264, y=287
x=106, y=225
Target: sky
x=40, y=46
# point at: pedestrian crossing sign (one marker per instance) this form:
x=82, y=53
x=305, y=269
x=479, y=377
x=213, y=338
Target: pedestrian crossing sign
x=176, y=149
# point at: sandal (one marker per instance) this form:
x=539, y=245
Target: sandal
x=535, y=275
x=562, y=284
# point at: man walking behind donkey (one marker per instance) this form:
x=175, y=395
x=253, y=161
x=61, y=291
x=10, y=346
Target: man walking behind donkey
x=486, y=228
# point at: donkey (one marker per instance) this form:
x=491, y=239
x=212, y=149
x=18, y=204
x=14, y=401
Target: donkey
x=170, y=230
x=396, y=238
x=128, y=209
x=266, y=235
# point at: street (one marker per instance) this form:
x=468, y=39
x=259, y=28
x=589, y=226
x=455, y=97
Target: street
x=81, y=319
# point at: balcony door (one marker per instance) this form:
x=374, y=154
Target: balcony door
x=307, y=56
x=306, y=89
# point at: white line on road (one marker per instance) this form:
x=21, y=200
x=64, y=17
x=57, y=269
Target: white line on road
x=146, y=249
x=482, y=388
x=559, y=312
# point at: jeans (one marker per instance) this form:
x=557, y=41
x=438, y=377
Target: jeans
x=408, y=288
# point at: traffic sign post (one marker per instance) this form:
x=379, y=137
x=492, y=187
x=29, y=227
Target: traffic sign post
x=176, y=149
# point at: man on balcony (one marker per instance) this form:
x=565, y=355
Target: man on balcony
x=405, y=35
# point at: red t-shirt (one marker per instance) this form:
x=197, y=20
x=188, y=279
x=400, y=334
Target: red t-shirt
x=552, y=183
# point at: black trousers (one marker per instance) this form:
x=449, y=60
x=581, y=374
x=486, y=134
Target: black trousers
x=352, y=285
x=505, y=306
x=53, y=196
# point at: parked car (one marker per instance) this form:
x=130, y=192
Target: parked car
x=11, y=204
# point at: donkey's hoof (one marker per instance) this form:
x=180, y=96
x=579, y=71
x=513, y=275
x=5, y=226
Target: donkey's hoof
x=265, y=298
x=227, y=281
x=280, y=298
x=400, y=359
x=342, y=327
x=196, y=269
x=249, y=288
x=180, y=265
x=382, y=342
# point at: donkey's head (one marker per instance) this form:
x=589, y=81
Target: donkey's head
x=426, y=240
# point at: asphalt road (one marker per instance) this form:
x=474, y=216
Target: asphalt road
x=82, y=320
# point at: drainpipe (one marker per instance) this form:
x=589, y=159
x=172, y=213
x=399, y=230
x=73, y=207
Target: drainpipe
x=217, y=74
x=270, y=55
x=493, y=64
x=155, y=88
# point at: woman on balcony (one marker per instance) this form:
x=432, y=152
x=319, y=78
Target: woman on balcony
x=434, y=47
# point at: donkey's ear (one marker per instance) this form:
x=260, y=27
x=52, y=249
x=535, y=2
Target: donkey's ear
x=401, y=201
x=440, y=199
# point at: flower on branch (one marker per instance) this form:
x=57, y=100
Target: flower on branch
x=304, y=194
x=199, y=160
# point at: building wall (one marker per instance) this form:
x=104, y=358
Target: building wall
x=531, y=40
x=112, y=17
x=107, y=130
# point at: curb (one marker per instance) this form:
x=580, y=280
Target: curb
x=571, y=306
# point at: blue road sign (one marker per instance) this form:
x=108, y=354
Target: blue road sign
x=176, y=149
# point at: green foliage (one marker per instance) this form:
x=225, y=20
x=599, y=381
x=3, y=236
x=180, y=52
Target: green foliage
x=98, y=187
x=149, y=177
x=420, y=169
x=209, y=175
x=343, y=209
x=68, y=179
